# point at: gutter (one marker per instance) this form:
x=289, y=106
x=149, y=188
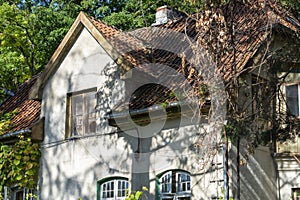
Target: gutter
x=143, y=110
x=11, y=135
x=148, y=109
x=140, y=115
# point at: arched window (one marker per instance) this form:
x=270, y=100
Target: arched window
x=174, y=184
x=113, y=188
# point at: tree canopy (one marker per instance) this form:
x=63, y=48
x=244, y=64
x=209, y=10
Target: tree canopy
x=30, y=30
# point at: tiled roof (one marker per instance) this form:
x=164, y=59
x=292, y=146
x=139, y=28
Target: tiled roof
x=252, y=23
x=28, y=111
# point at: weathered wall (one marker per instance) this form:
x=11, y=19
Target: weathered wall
x=69, y=168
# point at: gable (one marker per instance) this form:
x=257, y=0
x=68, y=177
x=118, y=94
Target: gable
x=81, y=22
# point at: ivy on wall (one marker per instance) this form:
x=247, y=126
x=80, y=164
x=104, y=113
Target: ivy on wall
x=5, y=121
x=19, y=162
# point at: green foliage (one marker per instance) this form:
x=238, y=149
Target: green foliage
x=236, y=127
x=135, y=195
x=30, y=196
x=30, y=31
x=292, y=6
x=132, y=14
x=5, y=121
x=19, y=163
x=223, y=195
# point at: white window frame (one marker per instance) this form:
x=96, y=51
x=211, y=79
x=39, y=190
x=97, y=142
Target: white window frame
x=298, y=96
x=88, y=118
x=167, y=184
x=115, y=187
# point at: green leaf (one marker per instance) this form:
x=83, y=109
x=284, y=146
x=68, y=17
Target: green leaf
x=16, y=162
x=19, y=177
x=138, y=194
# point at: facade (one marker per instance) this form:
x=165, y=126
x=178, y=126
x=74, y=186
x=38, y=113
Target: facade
x=107, y=127
x=287, y=154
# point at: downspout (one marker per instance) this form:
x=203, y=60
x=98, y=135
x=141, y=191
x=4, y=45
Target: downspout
x=225, y=164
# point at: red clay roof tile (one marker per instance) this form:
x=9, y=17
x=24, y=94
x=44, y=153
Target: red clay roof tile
x=28, y=111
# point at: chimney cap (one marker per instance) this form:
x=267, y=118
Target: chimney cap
x=166, y=13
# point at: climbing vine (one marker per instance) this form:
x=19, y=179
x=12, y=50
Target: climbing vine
x=5, y=121
x=19, y=162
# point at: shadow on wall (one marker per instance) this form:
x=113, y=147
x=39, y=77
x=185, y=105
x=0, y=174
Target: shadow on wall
x=71, y=167
x=257, y=176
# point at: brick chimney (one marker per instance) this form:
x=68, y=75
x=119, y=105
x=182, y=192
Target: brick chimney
x=165, y=14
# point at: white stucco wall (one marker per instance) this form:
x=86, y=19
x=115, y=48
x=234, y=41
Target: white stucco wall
x=69, y=167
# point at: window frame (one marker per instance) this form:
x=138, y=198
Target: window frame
x=116, y=190
x=297, y=84
x=173, y=190
x=84, y=106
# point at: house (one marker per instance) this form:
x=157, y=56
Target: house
x=24, y=121
x=117, y=114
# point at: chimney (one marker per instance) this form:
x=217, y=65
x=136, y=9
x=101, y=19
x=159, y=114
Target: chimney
x=165, y=14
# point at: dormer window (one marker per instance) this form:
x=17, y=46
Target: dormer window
x=81, y=113
x=292, y=99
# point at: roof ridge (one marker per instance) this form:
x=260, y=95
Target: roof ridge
x=96, y=22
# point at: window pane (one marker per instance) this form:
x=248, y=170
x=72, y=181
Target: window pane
x=292, y=100
x=112, y=185
x=183, y=182
x=91, y=102
x=166, y=185
x=77, y=111
x=78, y=129
x=91, y=112
x=122, y=187
x=77, y=105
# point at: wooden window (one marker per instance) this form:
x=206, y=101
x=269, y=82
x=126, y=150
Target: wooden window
x=81, y=113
